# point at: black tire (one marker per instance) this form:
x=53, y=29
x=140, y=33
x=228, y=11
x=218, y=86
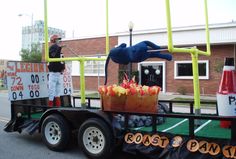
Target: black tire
x=55, y=132
x=95, y=139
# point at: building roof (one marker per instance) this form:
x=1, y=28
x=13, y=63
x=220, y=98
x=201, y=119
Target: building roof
x=222, y=33
x=182, y=28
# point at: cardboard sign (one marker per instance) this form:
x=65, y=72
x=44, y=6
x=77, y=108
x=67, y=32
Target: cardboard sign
x=200, y=148
x=226, y=104
x=30, y=80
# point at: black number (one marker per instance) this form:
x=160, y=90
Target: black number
x=37, y=93
x=21, y=95
x=34, y=78
x=65, y=91
x=14, y=95
x=37, y=78
x=32, y=94
x=70, y=90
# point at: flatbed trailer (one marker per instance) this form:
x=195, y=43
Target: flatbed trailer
x=99, y=132
x=99, y=136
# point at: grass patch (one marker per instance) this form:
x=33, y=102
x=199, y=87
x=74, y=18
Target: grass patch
x=3, y=88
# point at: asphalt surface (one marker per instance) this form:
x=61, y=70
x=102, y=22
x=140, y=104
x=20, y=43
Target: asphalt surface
x=25, y=146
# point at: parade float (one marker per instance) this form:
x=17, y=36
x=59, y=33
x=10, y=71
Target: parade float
x=100, y=131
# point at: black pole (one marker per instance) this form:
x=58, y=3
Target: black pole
x=130, y=44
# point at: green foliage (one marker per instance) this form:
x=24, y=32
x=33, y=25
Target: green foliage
x=33, y=55
x=219, y=66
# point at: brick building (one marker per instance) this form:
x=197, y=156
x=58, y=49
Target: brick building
x=173, y=76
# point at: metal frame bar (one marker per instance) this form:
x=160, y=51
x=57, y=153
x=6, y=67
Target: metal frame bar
x=28, y=107
x=161, y=50
x=81, y=59
x=193, y=51
x=190, y=117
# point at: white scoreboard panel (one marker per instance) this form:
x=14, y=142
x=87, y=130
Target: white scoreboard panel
x=30, y=80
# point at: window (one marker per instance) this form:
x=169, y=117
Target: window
x=91, y=68
x=183, y=69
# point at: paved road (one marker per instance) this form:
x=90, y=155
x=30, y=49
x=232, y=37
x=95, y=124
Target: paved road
x=4, y=106
x=14, y=145
x=24, y=146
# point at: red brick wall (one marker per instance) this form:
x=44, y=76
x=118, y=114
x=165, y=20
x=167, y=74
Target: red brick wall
x=97, y=46
x=91, y=82
x=207, y=86
x=92, y=46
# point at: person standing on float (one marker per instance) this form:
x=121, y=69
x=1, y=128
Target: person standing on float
x=55, y=71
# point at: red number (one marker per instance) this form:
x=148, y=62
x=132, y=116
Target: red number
x=16, y=80
x=13, y=82
x=19, y=79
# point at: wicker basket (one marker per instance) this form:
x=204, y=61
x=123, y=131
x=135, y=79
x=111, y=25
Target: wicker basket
x=141, y=104
x=113, y=103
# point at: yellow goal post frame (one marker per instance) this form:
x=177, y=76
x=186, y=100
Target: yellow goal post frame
x=193, y=51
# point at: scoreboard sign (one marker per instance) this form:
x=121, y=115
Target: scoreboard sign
x=30, y=80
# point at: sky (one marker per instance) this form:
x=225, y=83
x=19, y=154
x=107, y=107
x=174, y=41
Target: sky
x=80, y=18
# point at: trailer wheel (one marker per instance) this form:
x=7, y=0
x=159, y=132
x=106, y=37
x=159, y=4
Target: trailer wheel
x=96, y=139
x=55, y=132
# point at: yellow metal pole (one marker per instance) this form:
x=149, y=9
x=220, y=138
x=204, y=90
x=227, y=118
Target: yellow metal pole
x=46, y=31
x=82, y=59
x=171, y=48
x=82, y=83
x=169, y=27
x=194, y=53
x=208, y=53
x=196, y=87
x=76, y=59
x=107, y=28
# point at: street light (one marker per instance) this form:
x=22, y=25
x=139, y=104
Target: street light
x=32, y=26
x=131, y=26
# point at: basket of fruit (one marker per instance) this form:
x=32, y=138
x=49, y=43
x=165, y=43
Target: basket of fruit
x=112, y=98
x=140, y=98
x=129, y=97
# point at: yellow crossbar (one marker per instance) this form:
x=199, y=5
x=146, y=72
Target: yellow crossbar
x=193, y=51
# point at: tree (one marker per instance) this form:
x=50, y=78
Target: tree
x=33, y=55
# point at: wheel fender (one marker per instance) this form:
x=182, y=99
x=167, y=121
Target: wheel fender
x=106, y=117
x=47, y=113
x=71, y=115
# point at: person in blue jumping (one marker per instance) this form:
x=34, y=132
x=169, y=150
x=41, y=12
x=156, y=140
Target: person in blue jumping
x=134, y=54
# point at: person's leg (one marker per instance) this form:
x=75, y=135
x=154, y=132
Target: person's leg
x=152, y=45
x=157, y=53
x=59, y=87
x=52, y=88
